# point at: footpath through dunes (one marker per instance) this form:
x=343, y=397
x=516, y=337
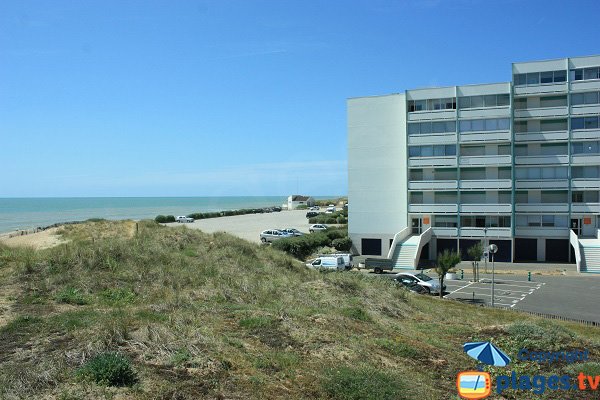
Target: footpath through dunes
x=178, y=313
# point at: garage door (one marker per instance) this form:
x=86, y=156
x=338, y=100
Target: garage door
x=443, y=244
x=371, y=247
x=465, y=245
x=504, y=250
x=557, y=250
x=525, y=249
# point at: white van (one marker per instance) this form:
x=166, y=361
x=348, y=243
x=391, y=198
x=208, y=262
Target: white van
x=346, y=256
x=328, y=262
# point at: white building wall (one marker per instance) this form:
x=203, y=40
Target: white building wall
x=377, y=177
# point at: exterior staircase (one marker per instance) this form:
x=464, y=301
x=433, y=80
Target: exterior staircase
x=407, y=249
x=590, y=255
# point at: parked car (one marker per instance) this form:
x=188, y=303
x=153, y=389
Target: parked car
x=311, y=214
x=410, y=283
x=330, y=210
x=346, y=256
x=292, y=231
x=314, y=208
x=428, y=283
x=317, y=227
x=277, y=209
x=183, y=218
x=270, y=235
x=327, y=262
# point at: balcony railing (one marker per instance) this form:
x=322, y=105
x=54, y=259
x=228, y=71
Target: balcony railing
x=540, y=88
x=445, y=231
x=542, y=184
x=585, y=159
x=542, y=112
x=432, y=208
x=542, y=231
x=504, y=159
x=541, y=207
x=586, y=134
x=553, y=159
x=485, y=208
x=432, y=185
x=432, y=162
x=433, y=138
x=496, y=136
x=585, y=183
x=483, y=232
x=486, y=184
x=585, y=109
x=585, y=207
x=541, y=136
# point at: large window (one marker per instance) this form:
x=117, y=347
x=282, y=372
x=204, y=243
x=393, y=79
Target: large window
x=585, y=147
x=485, y=221
x=439, y=150
x=585, y=172
x=553, y=101
x=425, y=128
x=551, y=125
x=492, y=100
x=588, y=196
x=559, y=221
x=535, y=78
x=585, y=98
x=585, y=123
x=541, y=173
x=584, y=74
x=445, y=221
x=447, y=103
x=480, y=125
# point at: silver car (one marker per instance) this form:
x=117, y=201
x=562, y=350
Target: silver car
x=292, y=231
x=317, y=228
x=270, y=235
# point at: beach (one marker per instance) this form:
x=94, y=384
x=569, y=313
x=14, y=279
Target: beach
x=247, y=227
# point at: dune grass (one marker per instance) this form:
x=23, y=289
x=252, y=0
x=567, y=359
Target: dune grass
x=190, y=315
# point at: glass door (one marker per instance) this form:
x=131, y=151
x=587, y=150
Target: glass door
x=417, y=226
x=576, y=226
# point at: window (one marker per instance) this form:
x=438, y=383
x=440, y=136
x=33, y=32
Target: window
x=521, y=197
x=534, y=220
x=432, y=104
x=481, y=125
x=445, y=221
x=504, y=173
x=585, y=73
x=577, y=197
x=553, y=101
x=481, y=221
x=534, y=78
x=371, y=247
x=416, y=198
x=577, y=123
x=503, y=100
x=520, y=79
x=547, y=220
x=590, y=98
x=587, y=172
x=504, y=221
x=431, y=151
x=424, y=128
x=590, y=123
x=491, y=100
x=546, y=77
x=553, y=125
x=541, y=173
x=520, y=104
x=520, y=126
x=554, y=197
x=585, y=147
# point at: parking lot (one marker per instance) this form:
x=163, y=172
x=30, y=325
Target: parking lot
x=508, y=292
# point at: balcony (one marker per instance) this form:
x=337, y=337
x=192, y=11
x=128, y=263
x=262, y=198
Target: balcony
x=432, y=185
x=585, y=85
x=561, y=111
x=485, y=208
x=540, y=88
x=487, y=184
x=432, y=162
x=585, y=183
x=586, y=134
x=444, y=231
x=504, y=159
x=432, y=208
x=541, y=207
x=489, y=233
x=585, y=208
x=585, y=109
x=542, y=231
x=433, y=138
x=585, y=159
x=474, y=137
x=532, y=160
x=542, y=184
x=429, y=115
x=486, y=112
x=541, y=136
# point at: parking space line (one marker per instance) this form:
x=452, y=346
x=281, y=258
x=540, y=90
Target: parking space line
x=461, y=288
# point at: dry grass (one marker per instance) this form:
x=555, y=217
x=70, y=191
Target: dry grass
x=214, y=316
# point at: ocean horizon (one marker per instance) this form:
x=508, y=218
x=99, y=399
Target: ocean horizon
x=33, y=212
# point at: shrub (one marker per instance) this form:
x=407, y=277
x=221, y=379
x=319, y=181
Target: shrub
x=71, y=296
x=365, y=383
x=110, y=369
x=162, y=219
x=302, y=207
x=342, y=244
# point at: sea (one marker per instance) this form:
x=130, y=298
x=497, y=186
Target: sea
x=30, y=213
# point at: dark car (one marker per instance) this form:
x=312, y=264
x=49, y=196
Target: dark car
x=311, y=214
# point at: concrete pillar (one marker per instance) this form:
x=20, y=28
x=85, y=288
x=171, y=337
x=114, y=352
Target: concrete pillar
x=541, y=249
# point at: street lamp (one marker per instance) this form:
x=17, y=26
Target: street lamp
x=493, y=249
x=485, y=246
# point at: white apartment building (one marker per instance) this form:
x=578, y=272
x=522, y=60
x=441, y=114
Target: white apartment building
x=516, y=164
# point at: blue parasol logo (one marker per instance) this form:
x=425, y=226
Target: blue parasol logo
x=487, y=353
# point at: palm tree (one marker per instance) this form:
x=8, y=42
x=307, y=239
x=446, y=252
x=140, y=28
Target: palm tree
x=445, y=262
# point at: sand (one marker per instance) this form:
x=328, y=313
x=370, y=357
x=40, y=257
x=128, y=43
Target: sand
x=250, y=226
x=247, y=227
x=39, y=240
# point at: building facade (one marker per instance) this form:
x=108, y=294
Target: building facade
x=516, y=164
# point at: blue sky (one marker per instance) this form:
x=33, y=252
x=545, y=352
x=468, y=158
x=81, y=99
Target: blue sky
x=236, y=97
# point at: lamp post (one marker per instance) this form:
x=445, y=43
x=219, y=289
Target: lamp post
x=485, y=246
x=493, y=249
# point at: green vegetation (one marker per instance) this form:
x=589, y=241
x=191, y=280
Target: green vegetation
x=109, y=369
x=174, y=313
x=303, y=246
x=444, y=263
x=229, y=213
x=475, y=253
x=338, y=217
x=163, y=219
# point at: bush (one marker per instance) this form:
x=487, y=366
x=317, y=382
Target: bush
x=303, y=246
x=109, y=369
x=71, y=296
x=162, y=219
x=342, y=244
x=302, y=207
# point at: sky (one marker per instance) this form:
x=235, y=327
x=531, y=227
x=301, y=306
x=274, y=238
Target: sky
x=237, y=97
